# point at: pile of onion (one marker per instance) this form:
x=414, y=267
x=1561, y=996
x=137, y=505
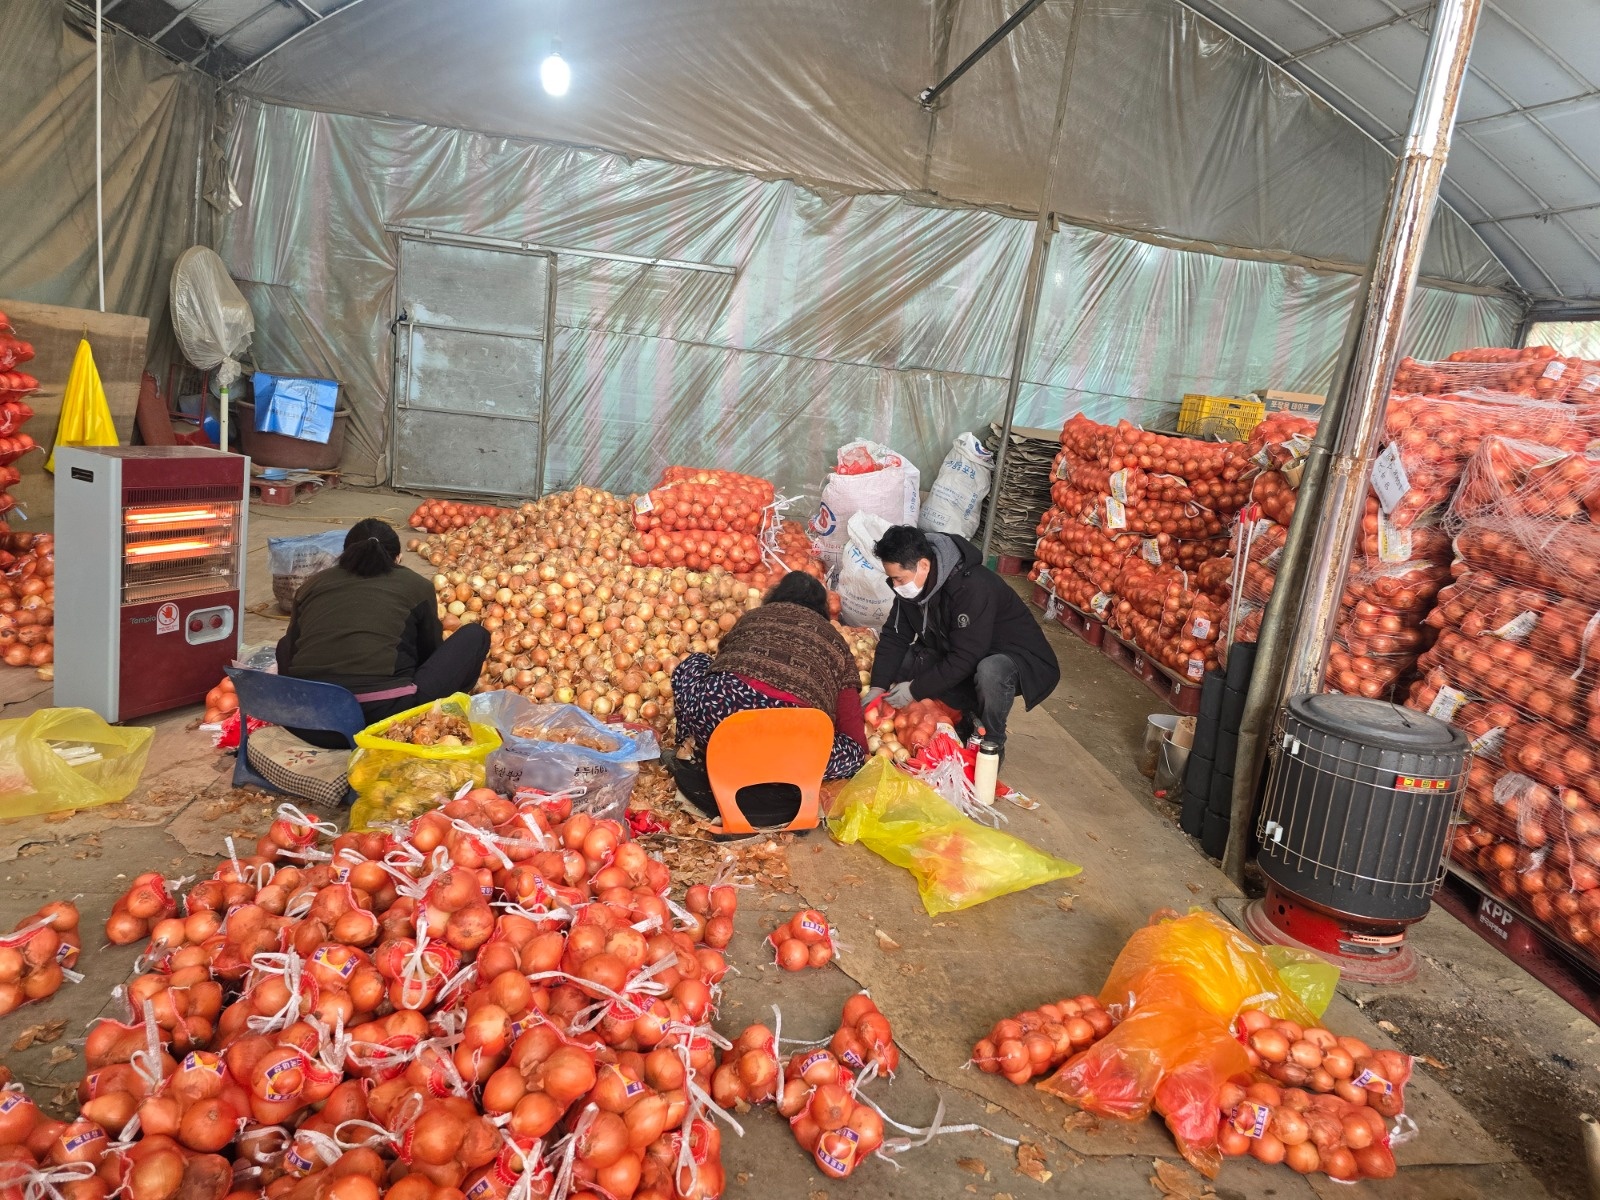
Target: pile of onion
x=36, y=953
x=220, y=701
x=804, y=940
x=439, y=516
x=900, y=734
x=818, y=1097
x=1038, y=1041
x=1311, y=1132
x=1320, y=1061
x=27, y=599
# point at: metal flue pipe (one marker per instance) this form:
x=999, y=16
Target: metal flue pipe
x=1293, y=650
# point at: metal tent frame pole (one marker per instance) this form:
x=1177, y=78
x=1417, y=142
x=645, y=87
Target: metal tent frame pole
x=1292, y=653
x=1033, y=284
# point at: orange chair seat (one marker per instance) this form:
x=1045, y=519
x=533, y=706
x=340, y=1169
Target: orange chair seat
x=768, y=745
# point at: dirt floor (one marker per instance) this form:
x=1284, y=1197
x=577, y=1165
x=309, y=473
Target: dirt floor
x=1511, y=1064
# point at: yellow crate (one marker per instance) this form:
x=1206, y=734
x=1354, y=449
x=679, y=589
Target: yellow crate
x=1224, y=417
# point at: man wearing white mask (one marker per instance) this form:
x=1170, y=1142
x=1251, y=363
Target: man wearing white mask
x=957, y=633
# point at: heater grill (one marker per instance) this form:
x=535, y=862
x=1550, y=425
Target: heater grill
x=1358, y=805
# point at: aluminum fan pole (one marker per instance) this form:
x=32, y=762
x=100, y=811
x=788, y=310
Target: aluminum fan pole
x=1334, y=486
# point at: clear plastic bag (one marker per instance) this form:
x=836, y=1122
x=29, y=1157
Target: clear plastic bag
x=67, y=758
x=396, y=781
x=957, y=862
x=526, y=760
x=293, y=560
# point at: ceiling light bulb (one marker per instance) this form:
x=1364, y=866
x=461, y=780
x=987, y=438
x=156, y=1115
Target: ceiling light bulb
x=555, y=74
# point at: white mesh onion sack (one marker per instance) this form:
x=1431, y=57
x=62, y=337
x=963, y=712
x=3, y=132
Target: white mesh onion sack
x=955, y=501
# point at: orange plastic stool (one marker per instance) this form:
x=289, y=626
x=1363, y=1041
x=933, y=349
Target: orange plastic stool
x=768, y=745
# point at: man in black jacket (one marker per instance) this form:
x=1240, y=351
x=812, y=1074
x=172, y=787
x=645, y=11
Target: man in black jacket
x=957, y=633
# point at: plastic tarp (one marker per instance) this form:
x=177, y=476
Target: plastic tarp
x=155, y=115
x=845, y=316
x=1171, y=125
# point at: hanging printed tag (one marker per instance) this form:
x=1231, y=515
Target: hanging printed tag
x=1101, y=604
x=1394, y=544
x=1447, y=703
x=1200, y=627
x=643, y=504
x=1196, y=668
x=1389, y=478
x=1119, y=485
x=1519, y=627
x=1555, y=370
x=1116, y=514
x=1151, y=550
x=1489, y=743
x=1591, y=382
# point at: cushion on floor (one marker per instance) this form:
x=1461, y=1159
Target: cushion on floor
x=298, y=768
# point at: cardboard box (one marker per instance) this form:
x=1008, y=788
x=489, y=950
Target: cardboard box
x=1306, y=404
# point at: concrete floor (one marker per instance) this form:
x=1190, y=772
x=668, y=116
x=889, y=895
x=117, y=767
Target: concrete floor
x=1516, y=1064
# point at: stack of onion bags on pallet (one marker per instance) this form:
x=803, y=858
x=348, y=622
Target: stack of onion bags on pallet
x=1514, y=667
x=1137, y=523
x=497, y=1001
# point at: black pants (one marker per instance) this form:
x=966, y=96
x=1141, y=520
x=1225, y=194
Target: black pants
x=453, y=667
x=985, y=699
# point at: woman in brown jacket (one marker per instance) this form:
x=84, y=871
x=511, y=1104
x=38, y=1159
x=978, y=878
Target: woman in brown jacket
x=785, y=654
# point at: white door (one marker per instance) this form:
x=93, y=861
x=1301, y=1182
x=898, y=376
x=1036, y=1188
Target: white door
x=471, y=360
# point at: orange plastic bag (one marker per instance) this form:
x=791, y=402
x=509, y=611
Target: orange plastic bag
x=1178, y=985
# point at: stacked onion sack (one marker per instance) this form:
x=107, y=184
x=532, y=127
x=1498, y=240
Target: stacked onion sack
x=1514, y=667
x=27, y=600
x=1536, y=372
x=495, y=1001
x=14, y=385
x=1134, y=535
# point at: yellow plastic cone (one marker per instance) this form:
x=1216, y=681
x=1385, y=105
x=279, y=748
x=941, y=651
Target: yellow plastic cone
x=85, y=415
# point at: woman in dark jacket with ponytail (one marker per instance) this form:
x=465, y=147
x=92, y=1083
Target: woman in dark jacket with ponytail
x=372, y=626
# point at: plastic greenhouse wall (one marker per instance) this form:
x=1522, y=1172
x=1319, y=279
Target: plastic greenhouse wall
x=845, y=316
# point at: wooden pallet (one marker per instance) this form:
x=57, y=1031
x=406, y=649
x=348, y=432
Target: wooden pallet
x=284, y=492
x=1182, y=694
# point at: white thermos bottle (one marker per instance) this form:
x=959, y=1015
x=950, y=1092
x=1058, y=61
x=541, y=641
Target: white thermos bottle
x=986, y=773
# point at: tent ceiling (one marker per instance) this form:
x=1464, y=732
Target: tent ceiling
x=1524, y=170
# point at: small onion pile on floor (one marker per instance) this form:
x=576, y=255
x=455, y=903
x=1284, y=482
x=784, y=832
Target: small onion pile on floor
x=497, y=1001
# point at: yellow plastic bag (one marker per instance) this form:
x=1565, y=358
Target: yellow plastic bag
x=957, y=862
x=1178, y=985
x=396, y=781
x=85, y=415
x=37, y=754
x=1208, y=962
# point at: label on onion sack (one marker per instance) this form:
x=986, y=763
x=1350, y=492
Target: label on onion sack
x=1119, y=485
x=1368, y=1079
x=1197, y=668
x=812, y=1059
x=1555, y=370
x=1489, y=743
x=83, y=1139
x=1200, y=627
x=1419, y=783
x=1151, y=550
x=1590, y=383
x=1389, y=478
x=1394, y=543
x=1519, y=627
x=293, y=1158
x=1447, y=703
x=1250, y=1118
x=643, y=504
x=1116, y=514
x=10, y=1100
x=1101, y=603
